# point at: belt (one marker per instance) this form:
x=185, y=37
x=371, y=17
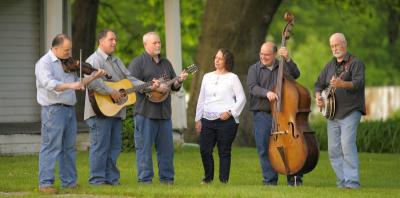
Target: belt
x=61, y=104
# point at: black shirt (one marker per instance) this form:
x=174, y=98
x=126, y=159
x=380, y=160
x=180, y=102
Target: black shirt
x=347, y=100
x=260, y=80
x=145, y=69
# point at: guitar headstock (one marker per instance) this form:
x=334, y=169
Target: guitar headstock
x=192, y=69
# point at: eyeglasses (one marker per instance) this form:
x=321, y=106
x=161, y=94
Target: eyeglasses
x=262, y=54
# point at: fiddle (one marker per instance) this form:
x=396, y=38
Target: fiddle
x=71, y=65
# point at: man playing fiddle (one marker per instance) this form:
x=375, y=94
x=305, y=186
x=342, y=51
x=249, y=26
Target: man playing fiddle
x=56, y=94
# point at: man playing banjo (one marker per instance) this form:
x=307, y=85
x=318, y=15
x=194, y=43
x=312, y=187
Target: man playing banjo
x=344, y=76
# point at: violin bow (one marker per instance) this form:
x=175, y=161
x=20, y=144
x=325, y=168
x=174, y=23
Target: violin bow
x=80, y=65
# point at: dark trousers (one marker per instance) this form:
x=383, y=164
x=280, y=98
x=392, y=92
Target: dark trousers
x=222, y=133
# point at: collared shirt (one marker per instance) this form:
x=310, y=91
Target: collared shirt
x=260, y=80
x=115, y=68
x=219, y=94
x=49, y=74
x=347, y=100
x=144, y=68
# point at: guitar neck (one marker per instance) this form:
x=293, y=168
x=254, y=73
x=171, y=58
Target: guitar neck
x=170, y=82
x=139, y=87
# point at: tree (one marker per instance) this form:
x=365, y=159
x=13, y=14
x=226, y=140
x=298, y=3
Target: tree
x=83, y=37
x=240, y=26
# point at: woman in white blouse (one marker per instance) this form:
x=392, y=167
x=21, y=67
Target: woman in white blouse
x=220, y=103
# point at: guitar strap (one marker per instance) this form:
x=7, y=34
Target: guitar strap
x=346, y=67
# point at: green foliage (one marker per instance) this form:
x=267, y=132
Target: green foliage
x=132, y=19
x=365, y=25
x=128, y=131
x=372, y=136
x=378, y=178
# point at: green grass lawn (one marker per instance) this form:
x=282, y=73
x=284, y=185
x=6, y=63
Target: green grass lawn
x=380, y=177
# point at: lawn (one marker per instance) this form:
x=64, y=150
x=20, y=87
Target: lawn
x=380, y=177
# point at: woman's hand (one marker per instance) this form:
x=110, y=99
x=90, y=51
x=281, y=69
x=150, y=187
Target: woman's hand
x=198, y=126
x=225, y=115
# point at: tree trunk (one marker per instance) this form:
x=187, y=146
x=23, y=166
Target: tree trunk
x=83, y=37
x=240, y=26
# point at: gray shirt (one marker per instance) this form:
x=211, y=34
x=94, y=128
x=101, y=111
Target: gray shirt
x=144, y=68
x=347, y=100
x=49, y=74
x=260, y=80
x=114, y=67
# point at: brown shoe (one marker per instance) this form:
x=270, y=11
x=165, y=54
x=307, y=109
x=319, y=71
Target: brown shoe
x=47, y=190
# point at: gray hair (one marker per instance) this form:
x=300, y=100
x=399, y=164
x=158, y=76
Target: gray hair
x=339, y=36
x=147, y=36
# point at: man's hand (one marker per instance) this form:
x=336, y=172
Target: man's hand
x=116, y=95
x=77, y=86
x=156, y=84
x=283, y=52
x=335, y=82
x=182, y=76
x=163, y=88
x=271, y=96
x=99, y=73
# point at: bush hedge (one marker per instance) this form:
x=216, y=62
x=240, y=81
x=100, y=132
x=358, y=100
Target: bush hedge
x=372, y=136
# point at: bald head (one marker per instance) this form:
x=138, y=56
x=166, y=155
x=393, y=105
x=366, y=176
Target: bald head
x=267, y=53
x=269, y=46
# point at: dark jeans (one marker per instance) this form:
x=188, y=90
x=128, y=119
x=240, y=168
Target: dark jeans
x=222, y=133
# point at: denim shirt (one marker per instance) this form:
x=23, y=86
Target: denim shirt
x=49, y=74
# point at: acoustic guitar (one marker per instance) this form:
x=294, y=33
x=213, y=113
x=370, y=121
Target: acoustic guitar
x=104, y=104
x=157, y=97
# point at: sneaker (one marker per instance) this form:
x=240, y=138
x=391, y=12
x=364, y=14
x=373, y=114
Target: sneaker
x=205, y=181
x=48, y=190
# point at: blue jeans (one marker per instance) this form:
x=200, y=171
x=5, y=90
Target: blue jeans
x=105, y=147
x=159, y=132
x=222, y=133
x=262, y=123
x=58, y=132
x=342, y=149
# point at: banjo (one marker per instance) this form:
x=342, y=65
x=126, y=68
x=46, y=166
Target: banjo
x=328, y=96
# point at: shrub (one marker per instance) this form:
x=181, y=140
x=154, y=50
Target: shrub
x=128, y=143
x=372, y=136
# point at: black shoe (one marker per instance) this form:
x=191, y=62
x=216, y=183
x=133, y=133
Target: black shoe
x=295, y=180
x=223, y=181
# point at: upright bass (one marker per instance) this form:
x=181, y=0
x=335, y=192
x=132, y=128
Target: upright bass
x=293, y=147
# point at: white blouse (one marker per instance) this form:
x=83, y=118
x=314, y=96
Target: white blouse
x=220, y=93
